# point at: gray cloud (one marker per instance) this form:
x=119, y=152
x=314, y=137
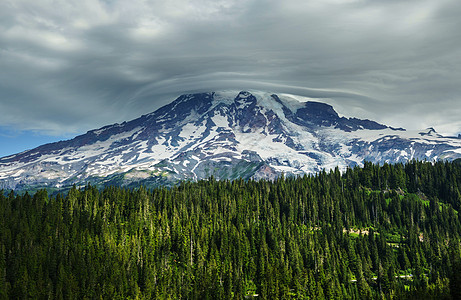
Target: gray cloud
x=72, y=66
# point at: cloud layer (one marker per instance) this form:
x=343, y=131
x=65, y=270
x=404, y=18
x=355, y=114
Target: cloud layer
x=70, y=66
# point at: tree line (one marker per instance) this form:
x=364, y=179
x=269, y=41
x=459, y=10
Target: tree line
x=377, y=232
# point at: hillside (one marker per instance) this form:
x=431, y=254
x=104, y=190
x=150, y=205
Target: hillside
x=376, y=232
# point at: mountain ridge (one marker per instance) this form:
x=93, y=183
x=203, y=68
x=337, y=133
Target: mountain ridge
x=227, y=134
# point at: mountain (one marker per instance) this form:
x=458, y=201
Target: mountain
x=222, y=134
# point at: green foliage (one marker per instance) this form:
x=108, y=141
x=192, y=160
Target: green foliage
x=376, y=232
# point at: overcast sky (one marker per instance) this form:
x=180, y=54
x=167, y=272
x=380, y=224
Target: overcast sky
x=70, y=66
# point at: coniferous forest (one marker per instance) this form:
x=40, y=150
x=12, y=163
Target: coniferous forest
x=377, y=232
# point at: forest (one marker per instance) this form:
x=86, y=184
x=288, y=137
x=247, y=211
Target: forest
x=375, y=232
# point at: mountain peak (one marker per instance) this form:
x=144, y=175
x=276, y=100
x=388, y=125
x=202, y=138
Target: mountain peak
x=245, y=99
x=318, y=113
x=430, y=131
x=244, y=95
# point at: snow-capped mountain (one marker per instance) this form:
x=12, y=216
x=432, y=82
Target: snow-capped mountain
x=222, y=134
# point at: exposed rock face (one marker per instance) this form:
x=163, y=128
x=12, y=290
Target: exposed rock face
x=227, y=135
